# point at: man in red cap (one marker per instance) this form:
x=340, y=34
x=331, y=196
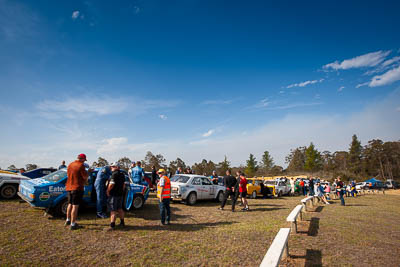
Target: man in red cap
x=77, y=176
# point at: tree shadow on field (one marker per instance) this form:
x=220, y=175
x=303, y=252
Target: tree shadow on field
x=356, y=205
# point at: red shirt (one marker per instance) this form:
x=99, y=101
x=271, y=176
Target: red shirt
x=243, y=184
x=76, y=176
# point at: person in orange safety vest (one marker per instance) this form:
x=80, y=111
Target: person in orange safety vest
x=164, y=196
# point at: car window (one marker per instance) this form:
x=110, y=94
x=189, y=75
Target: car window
x=257, y=182
x=206, y=181
x=180, y=178
x=56, y=176
x=196, y=181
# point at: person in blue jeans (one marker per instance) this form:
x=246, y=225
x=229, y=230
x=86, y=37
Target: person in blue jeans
x=339, y=187
x=137, y=173
x=103, y=175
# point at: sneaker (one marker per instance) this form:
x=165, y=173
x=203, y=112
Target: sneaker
x=162, y=223
x=101, y=215
x=244, y=209
x=121, y=224
x=67, y=223
x=74, y=227
x=167, y=223
x=221, y=208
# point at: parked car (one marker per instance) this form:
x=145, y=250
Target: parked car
x=281, y=188
x=9, y=183
x=254, y=187
x=191, y=187
x=362, y=186
x=39, y=172
x=49, y=193
x=391, y=184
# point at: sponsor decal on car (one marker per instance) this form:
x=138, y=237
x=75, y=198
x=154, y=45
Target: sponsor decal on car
x=44, y=196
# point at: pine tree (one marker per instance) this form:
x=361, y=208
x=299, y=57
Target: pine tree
x=251, y=166
x=355, y=152
x=313, y=159
x=267, y=162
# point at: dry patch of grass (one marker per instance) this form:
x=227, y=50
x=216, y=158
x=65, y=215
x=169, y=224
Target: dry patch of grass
x=199, y=235
x=365, y=232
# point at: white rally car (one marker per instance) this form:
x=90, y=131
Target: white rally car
x=191, y=187
x=9, y=184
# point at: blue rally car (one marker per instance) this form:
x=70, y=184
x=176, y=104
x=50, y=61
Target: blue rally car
x=49, y=193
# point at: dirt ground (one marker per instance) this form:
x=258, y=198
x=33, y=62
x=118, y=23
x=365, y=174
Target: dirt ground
x=365, y=232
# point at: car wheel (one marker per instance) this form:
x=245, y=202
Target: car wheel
x=254, y=194
x=220, y=196
x=191, y=199
x=138, y=202
x=8, y=191
x=60, y=209
x=279, y=193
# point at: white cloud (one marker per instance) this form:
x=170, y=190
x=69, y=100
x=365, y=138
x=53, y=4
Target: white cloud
x=362, y=84
x=75, y=14
x=94, y=105
x=366, y=60
x=303, y=84
x=295, y=105
x=163, y=117
x=112, y=144
x=209, y=133
x=328, y=132
x=263, y=103
x=217, y=102
x=387, y=78
x=391, y=61
x=82, y=106
x=341, y=88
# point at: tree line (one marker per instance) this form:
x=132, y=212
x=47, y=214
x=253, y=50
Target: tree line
x=376, y=159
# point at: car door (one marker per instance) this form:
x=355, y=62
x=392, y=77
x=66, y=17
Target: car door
x=196, y=183
x=207, y=189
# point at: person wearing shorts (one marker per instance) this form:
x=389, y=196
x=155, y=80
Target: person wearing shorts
x=115, y=193
x=77, y=176
x=243, y=190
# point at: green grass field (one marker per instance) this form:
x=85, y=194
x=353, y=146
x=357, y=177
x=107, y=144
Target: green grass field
x=366, y=232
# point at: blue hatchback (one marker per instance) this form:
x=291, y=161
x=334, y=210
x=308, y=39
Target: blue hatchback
x=49, y=193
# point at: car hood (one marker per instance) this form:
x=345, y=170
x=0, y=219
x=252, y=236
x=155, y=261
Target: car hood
x=33, y=183
x=13, y=176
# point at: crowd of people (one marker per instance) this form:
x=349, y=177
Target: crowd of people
x=110, y=186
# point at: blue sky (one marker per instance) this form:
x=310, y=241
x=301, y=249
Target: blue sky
x=194, y=79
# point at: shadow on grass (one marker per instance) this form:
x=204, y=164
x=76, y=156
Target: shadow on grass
x=356, y=205
x=313, y=227
x=184, y=227
x=313, y=257
x=318, y=209
x=265, y=209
